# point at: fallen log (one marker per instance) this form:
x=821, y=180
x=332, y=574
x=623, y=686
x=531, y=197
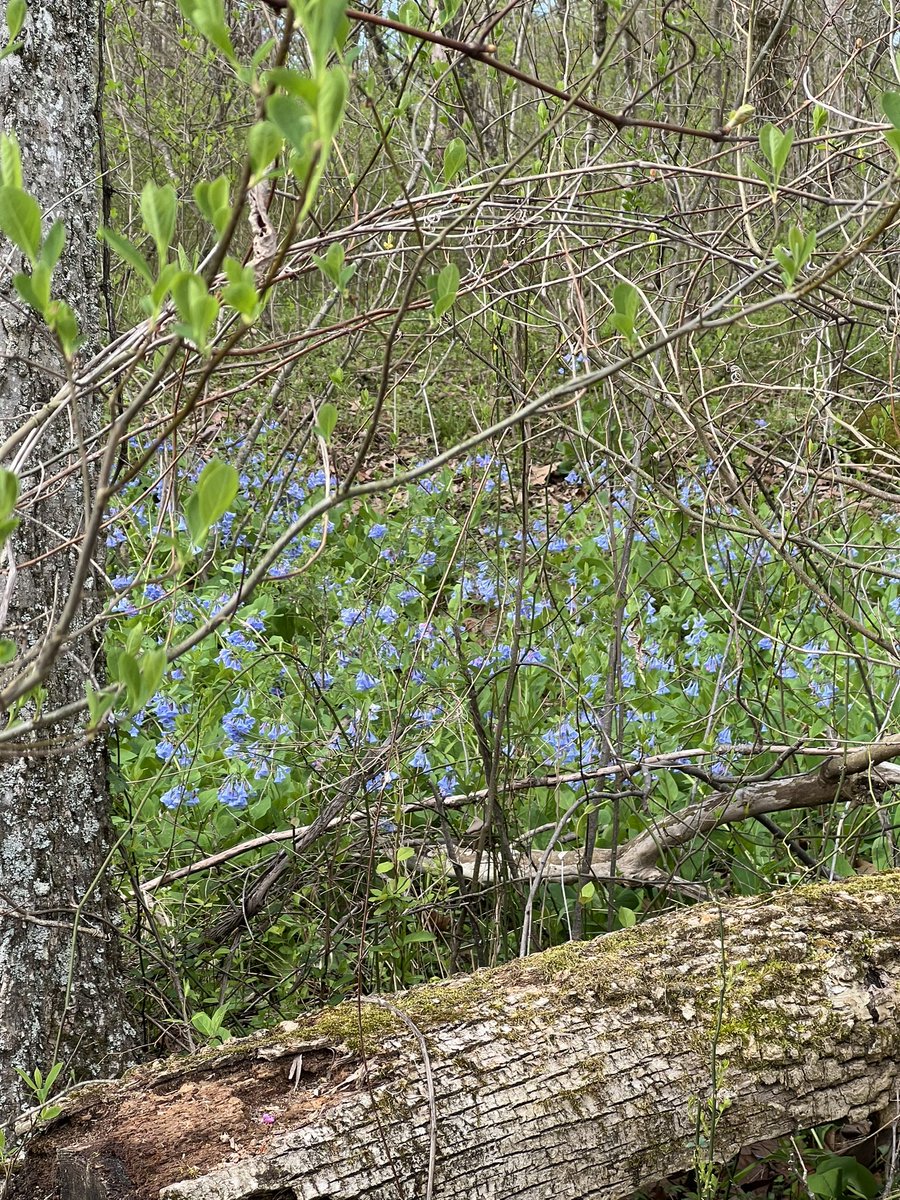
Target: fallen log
x=584, y=1071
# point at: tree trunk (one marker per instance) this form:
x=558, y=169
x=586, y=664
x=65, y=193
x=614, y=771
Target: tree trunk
x=585, y=1071
x=57, y=1003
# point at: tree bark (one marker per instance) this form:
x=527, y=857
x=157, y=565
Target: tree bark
x=60, y=993
x=585, y=1071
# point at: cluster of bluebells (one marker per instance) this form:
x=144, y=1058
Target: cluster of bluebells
x=393, y=658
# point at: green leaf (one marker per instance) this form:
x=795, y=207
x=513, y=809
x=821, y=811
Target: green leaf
x=776, y=146
x=213, y=201
x=627, y=917
x=443, y=288
x=454, y=159
x=291, y=118
x=892, y=137
x=61, y=320
x=153, y=666
x=890, y=102
x=53, y=245
x=264, y=145
x=128, y=252
x=159, y=207
x=209, y=17
x=324, y=24
x=20, y=220
x=34, y=288
x=99, y=704
x=10, y=161
x=15, y=17
x=8, y=651
x=332, y=101
x=331, y=263
x=196, y=307
x=129, y=673
x=216, y=489
x=587, y=893
x=327, y=420
x=9, y=491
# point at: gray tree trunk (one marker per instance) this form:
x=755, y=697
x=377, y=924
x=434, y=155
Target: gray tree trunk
x=586, y=1071
x=56, y=1003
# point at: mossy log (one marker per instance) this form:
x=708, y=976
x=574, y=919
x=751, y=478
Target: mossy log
x=583, y=1071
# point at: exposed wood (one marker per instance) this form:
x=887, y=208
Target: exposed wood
x=579, y=1072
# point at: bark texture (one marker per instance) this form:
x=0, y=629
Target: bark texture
x=580, y=1072
x=55, y=1003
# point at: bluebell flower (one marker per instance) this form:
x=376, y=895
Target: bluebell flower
x=408, y=595
x=447, y=784
x=323, y=679
x=352, y=616
x=377, y=532
x=573, y=478
x=121, y=582
x=257, y=621
x=234, y=792
x=692, y=689
x=238, y=723
x=240, y=641
x=281, y=773
x=179, y=795
x=387, y=615
x=165, y=710
x=765, y=643
x=381, y=782
x=427, y=559
x=227, y=658
x=165, y=750
x=419, y=761
x=153, y=592
x=365, y=682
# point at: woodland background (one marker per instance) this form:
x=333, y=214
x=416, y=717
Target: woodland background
x=494, y=535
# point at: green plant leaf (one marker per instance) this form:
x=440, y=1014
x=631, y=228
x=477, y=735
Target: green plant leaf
x=213, y=201
x=8, y=651
x=216, y=489
x=20, y=220
x=332, y=101
x=53, y=245
x=9, y=491
x=128, y=252
x=10, y=161
x=15, y=17
x=326, y=420
x=890, y=102
x=291, y=118
x=454, y=159
x=264, y=144
x=159, y=208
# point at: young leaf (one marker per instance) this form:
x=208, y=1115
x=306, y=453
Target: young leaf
x=291, y=119
x=213, y=201
x=9, y=491
x=263, y=144
x=215, y=490
x=128, y=253
x=454, y=159
x=327, y=420
x=8, y=651
x=15, y=17
x=890, y=102
x=332, y=100
x=159, y=206
x=53, y=245
x=443, y=289
x=10, y=161
x=20, y=220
